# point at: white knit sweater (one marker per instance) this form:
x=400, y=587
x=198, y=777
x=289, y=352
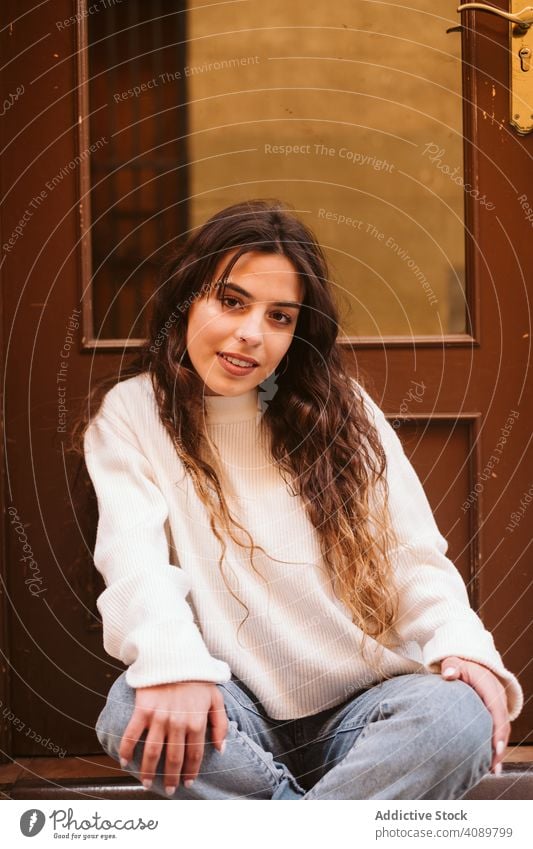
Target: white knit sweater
x=167, y=613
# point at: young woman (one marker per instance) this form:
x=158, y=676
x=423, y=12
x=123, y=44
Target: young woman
x=275, y=580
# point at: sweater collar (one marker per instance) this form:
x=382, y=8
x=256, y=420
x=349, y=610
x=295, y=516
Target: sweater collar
x=222, y=409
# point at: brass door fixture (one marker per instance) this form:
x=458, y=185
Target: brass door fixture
x=521, y=60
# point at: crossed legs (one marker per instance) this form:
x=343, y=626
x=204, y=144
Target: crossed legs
x=411, y=737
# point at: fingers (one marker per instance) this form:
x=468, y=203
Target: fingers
x=194, y=753
x=450, y=668
x=496, y=703
x=174, y=759
x=130, y=738
x=184, y=752
x=152, y=751
x=141, y=719
x=492, y=693
x=186, y=746
x=219, y=721
x=176, y=717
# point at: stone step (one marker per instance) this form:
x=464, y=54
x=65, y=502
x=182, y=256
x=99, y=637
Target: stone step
x=514, y=782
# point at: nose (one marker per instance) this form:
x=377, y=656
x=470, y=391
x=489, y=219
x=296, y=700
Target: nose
x=249, y=330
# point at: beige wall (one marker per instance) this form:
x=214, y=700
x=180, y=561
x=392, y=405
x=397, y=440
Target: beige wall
x=359, y=91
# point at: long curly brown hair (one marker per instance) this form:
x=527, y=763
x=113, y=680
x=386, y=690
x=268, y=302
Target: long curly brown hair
x=318, y=430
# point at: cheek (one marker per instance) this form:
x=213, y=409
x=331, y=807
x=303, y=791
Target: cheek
x=285, y=342
x=202, y=327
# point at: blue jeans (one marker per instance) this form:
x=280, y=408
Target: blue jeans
x=410, y=737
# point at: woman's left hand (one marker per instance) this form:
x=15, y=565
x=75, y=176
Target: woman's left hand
x=490, y=689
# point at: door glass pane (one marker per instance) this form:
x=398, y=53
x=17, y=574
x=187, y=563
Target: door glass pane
x=138, y=155
x=352, y=112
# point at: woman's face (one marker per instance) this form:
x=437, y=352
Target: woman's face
x=257, y=326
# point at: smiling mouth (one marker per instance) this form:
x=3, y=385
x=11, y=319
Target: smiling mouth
x=240, y=362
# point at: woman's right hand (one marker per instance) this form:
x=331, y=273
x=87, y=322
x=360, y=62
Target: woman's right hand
x=177, y=713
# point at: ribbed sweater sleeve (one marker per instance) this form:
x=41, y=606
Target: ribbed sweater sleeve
x=435, y=609
x=147, y=622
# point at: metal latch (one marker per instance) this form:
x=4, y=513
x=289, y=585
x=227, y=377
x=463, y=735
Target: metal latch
x=520, y=65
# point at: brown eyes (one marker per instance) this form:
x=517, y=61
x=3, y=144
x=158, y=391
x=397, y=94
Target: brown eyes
x=285, y=319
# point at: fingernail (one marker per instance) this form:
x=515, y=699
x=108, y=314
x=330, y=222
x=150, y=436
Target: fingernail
x=223, y=747
x=147, y=784
x=497, y=769
x=500, y=746
x=451, y=670
x=123, y=763
x=188, y=782
x=170, y=791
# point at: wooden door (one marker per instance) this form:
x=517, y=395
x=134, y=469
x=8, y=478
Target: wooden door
x=459, y=398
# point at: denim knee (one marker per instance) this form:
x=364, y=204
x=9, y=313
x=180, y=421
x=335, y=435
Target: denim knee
x=472, y=721
x=244, y=771
x=460, y=724
x=115, y=716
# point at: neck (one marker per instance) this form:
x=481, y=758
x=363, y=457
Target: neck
x=223, y=409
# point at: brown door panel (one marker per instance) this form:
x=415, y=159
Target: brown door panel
x=56, y=673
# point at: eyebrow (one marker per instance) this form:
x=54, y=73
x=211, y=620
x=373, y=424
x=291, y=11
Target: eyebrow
x=246, y=294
